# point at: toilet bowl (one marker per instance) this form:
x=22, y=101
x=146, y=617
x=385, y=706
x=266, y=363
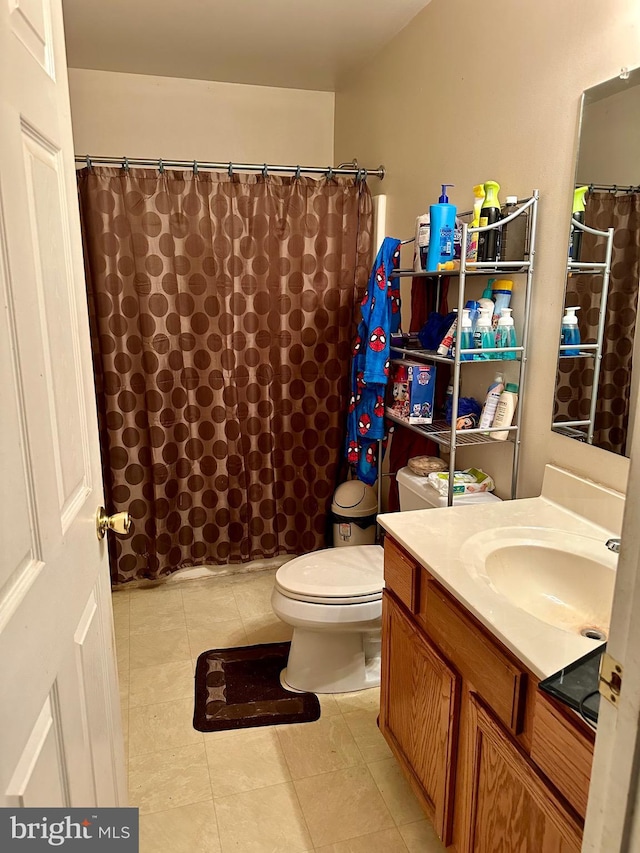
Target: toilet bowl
x=333, y=601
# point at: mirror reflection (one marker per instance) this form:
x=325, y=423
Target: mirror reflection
x=596, y=387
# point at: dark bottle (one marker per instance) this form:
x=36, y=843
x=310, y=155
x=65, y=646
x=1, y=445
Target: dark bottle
x=489, y=241
x=514, y=235
x=575, y=239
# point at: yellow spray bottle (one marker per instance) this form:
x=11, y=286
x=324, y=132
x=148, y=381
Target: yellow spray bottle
x=489, y=214
x=472, y=250
x=575, y=240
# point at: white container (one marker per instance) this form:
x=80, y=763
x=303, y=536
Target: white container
x=505, y=411
x=354, y=504
x=423, y=231
x=491, y=402
x=415, y=492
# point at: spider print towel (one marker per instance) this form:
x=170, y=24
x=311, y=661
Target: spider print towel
x=370, y=363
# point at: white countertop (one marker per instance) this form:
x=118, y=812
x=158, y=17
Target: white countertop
x=436, y=537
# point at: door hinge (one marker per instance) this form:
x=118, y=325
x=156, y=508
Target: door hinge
x=610, y=679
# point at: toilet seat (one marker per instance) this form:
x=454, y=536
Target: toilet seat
x=347, y=575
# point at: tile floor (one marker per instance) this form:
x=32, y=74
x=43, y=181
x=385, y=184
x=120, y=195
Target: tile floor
x=331, y=786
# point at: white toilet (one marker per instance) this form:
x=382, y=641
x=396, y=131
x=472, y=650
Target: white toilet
x=333, y=600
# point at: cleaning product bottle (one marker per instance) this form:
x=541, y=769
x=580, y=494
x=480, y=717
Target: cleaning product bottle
x=575, y=239
x=478, y=193
x=466, y=335
x=442, y=226
x=421, y=243
x=491, y=402
x=447, y=341
x=474, y=311
x=506, y=334
x=501, y=289
x=514, y=234
x=484, y=337
x=488, y=241
x=485, y=300
x=570, y=331
x=505, y=411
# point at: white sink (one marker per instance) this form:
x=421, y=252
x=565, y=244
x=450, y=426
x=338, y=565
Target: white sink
x=563, y=579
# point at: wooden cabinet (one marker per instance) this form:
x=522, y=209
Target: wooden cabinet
x=497, y=766
x=419, y=713
x=510, y=805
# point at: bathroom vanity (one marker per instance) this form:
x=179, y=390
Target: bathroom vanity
x=496, y=763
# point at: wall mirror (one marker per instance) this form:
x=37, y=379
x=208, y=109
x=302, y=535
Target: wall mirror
x=596, y=387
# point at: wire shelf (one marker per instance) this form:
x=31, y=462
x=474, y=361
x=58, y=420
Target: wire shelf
x=440, y=432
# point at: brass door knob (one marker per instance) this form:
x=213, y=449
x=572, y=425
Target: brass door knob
x=119, y=522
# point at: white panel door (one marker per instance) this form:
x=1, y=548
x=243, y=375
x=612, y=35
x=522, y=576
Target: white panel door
x=60, y=727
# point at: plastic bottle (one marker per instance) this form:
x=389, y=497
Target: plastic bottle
x=484, y=337
x=447, y=341
x=570, y=331
x=506, y=334
x=513, y=246
x=501, y=291
x=466, y=335
x=488, y=241
x=442, y=228
x=485, y=300
x=575, y=239
x=491, y=402
x=478, y=193
x=474, y=311
x=421, y=244
x=505, y=411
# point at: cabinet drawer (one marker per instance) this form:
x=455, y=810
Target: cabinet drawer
x=494, y=676
x=400, y=574
x=562, y=752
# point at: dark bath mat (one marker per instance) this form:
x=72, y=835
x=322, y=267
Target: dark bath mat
x=240, y=688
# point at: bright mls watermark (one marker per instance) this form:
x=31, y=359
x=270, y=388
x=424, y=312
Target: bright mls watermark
x=102, y=830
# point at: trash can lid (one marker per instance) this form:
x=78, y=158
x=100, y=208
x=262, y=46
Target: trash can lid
x=354, y=499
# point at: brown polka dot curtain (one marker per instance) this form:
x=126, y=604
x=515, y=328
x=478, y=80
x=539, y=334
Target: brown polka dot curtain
x=222, y=314
x=575, y=376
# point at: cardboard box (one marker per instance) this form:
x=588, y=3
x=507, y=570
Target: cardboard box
x=411, y=391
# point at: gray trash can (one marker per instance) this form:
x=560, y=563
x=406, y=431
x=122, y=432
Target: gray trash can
x=354, y=510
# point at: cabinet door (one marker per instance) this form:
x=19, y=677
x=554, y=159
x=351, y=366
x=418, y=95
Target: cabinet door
x=419, y=712
x=511, y=807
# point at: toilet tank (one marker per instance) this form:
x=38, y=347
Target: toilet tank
x=415, y=492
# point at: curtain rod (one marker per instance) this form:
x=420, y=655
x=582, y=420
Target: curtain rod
x=264, y=168
x=611, y=188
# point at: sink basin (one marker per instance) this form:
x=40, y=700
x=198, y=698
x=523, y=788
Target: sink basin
x=563, y=579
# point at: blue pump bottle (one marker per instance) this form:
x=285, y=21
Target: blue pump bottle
x=442, y=226
x=570, y=331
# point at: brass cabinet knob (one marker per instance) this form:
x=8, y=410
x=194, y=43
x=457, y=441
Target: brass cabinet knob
x=119, y=522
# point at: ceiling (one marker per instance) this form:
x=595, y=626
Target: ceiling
x=292, y=43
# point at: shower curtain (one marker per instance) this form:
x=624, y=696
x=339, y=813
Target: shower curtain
x=575, y=376
x=222, y=313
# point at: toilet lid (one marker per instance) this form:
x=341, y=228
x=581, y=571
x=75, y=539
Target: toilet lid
x=350, y=572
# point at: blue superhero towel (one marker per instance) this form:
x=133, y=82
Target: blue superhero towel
x=370, y=362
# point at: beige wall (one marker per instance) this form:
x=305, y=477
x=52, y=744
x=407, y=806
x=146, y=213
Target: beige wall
x=142, y=116
x=470, y=91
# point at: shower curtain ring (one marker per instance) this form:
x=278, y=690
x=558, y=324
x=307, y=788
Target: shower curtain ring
x=161, y=166
x=365, y=174
x=125, y=164
x=330, y=173
x=230, y=170
x=89, y=163
x=265, y=171
x=297, y=173
x=195, y=167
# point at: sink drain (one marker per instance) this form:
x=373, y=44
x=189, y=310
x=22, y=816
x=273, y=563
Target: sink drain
x=593, y=633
